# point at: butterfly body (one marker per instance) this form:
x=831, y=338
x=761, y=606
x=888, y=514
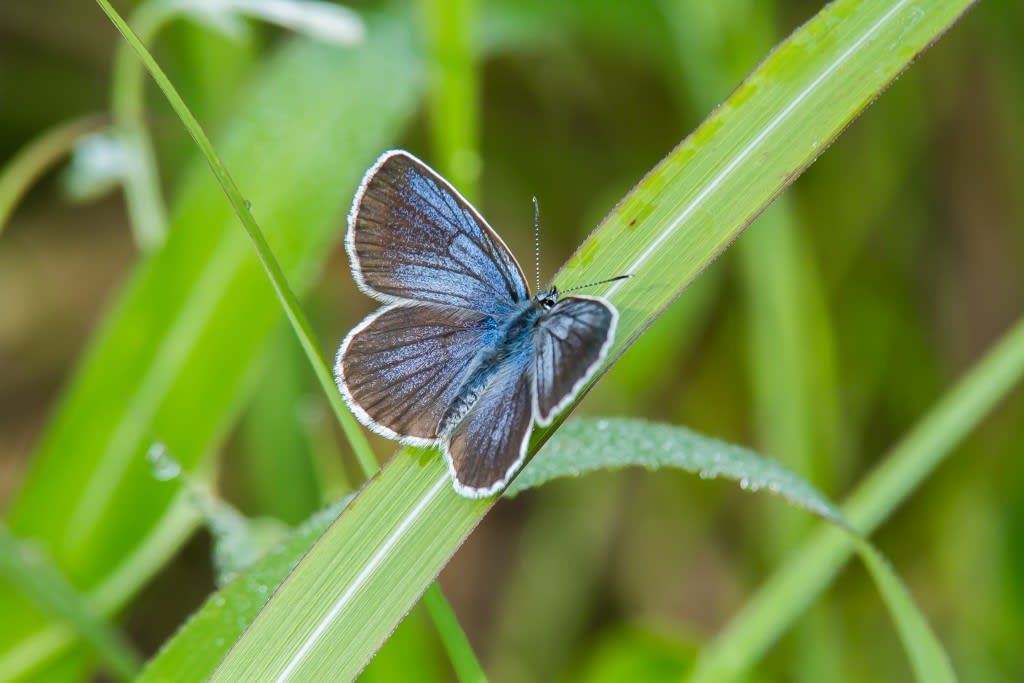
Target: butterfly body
x=461, y=356
x=513, y=340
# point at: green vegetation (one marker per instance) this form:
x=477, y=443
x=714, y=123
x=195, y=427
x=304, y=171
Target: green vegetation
x=872, y=337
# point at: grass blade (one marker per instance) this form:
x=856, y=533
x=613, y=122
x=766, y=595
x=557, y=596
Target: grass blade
x=36, y=158
x=454, y=90
x=929, y=661
x=35, y=576
x=370, y=563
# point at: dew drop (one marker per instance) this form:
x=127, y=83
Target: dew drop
x=163, y=466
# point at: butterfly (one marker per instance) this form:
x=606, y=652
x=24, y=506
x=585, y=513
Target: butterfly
x=460, y=356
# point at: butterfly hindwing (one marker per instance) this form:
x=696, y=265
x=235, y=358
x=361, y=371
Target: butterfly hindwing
x=486, y=448
x=401, y=367
x=412, y=237
x=570, y=341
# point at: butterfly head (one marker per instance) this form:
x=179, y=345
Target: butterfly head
x=546, y=300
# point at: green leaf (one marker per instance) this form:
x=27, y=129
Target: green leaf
x=194, y=317
x=585, y=445
x=364, y=574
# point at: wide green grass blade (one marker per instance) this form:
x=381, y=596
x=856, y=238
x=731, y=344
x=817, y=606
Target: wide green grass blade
x=364, y=574
x=788, y=331
x=338, y=630
x=175, y=356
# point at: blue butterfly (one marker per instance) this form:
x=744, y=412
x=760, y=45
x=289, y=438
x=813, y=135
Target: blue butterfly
x=461, y=355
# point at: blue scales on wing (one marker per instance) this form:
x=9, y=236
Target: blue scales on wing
x=401, y=367
x=570, y=342
x=489, y=444
x=412, y=237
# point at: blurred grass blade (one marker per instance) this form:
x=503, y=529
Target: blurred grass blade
x=453, y=89
x=585, y=445
x=449, y=31
x=809, y=569
x=929, y=661
x=363, y=575
x=456, y=643
x=28, y=569
x=278, y=420
x=195, y=315
x=36, y=158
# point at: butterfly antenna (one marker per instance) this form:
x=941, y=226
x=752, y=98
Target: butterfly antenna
x=595, y=284
x=536, y=240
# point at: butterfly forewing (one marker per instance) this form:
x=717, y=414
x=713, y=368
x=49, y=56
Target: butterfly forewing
x=413, y=237
x=486, y=448
x=401, y=367
x=570, y=342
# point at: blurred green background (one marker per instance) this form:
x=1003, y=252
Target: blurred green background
x=820, y=338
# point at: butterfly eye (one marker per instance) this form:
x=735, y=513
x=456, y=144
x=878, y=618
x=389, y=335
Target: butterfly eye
x=546, y=303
